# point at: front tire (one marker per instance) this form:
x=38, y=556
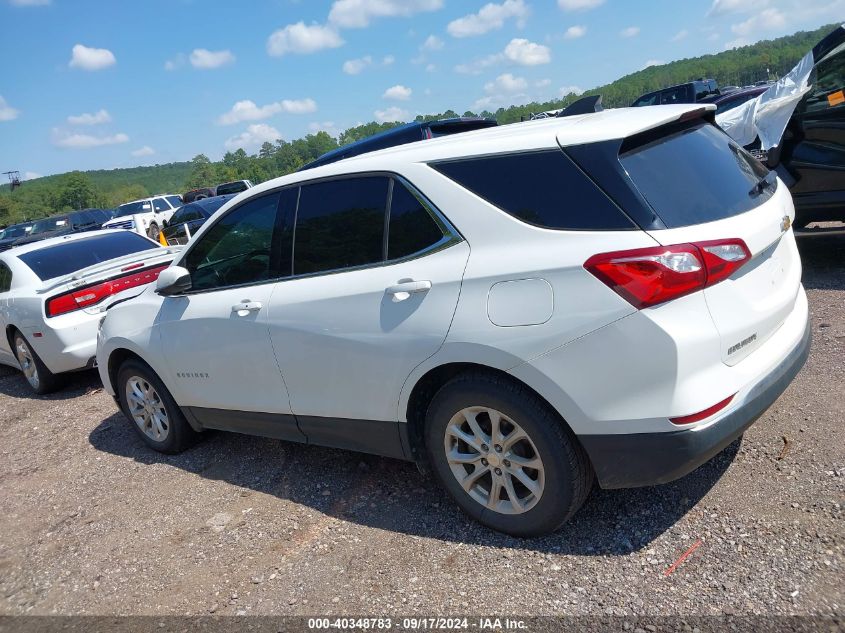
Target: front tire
x=151, y=409
x=152, y=232
x=41, y=379
x=505, y=456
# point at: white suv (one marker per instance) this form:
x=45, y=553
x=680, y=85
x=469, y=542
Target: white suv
x=146, y=216
x=612, y=296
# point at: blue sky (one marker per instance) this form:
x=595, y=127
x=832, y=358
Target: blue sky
x=91, y=84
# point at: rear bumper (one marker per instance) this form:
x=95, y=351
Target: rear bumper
x=646, y=459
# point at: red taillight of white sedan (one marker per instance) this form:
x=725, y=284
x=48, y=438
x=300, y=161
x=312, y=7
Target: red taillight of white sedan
x=647, y=277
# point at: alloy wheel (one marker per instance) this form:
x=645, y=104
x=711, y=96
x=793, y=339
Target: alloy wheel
x=494, y=460
x=147, y=409
x=27, y=363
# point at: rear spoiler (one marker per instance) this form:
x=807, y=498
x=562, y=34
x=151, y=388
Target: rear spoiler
x=584, y=105
x=83, y=277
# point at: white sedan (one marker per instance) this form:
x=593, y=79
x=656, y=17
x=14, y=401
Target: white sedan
x=53, y=293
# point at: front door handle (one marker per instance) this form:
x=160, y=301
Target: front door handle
x=402, y=291
x=245, y=307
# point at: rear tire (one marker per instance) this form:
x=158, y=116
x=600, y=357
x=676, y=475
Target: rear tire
x=505, y=456
x=41, y=379
x=151, y=409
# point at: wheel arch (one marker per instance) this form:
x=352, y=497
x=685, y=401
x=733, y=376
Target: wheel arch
x=432, y=380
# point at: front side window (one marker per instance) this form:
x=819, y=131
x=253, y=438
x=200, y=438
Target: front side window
x=5, y=278
x=340, y=224
x=186, y=214
x=828, y=84
x=238, y=249
x=160, y=204
x=412, y=227
x=175, y=201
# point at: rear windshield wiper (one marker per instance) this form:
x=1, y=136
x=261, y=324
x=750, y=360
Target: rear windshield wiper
x=769, y=180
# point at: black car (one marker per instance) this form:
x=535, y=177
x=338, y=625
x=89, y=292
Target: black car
x=734, y=99
x=190, y=217
x=408, y=133
x=690, y=92
x=12, y=234
x=74, y=222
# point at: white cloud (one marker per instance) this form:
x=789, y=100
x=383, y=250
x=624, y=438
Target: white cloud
x=357, y=14
x=86, y=141
x=525, y=53
x=98, y=118
x=721, y=7
x=302, y=39
x=653, y=62
x=247, y=110
x=397, y=93
x=388, y=60
x=476, y=67
x=175, y=63
x=326, y=126
x=357, y=66
x=29, y=3
x=574, y=32
x=391, y=114
x=579, y=5
x=205, y=59
x=86, y=58
x=505, y=83
x=7, y=112
x=570, y=90
x=254, y=136
x=432, y=43
x=32, y=175
x=490, y=17
x=680, y=35
x=766, y=20
x=631, y=31
x=143, y=151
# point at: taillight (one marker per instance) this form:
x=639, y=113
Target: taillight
x=94, y=294
x=646, y=277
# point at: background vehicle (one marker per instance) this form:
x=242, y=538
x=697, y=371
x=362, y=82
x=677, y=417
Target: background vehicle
x=54, y=226
x=190, y=217
x=408, y=133
x=53, y=294
x=346, y=308
x=145, y=216
x=198, y=194
x=690, y=92
x=237, y=186
x=12, y=234
x=731, y=100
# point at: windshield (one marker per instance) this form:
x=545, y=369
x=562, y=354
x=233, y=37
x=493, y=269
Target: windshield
x=231, y=187
x=131, y=208
x=69, y=257
x=15, y=231
x=49, y=224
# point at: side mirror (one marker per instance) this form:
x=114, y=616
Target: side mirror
x=173, y=281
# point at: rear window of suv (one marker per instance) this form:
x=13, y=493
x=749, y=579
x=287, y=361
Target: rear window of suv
x=71, y=256
x=543, y=188
x=695, y=175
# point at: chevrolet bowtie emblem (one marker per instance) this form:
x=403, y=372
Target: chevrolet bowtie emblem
x=785, y=223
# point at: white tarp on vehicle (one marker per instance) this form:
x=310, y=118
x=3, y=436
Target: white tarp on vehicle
x=767, y=115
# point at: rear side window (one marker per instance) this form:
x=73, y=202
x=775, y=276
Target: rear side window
x=231, y=187
x=544, y=188
x=5, y=278
x=412, y=227
x=340, y=224
x=696, y=175
x=174, y=201
x=69, y=257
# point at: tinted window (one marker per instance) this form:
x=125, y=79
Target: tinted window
x=160, y=204
x=131, y=208
x=340, y=224
x=69, y=257
x=696, y=175
x=175, y=201
x=673, y=95
x=412, y=227
x=730, y=104
x=231, y=187
x=647, y=100
x=237, y=249
x=50, y=224
x=542, y=188
x=83, y=218
x=18, y=230
x=5, y=278
x=186, y=214
x=828, y=83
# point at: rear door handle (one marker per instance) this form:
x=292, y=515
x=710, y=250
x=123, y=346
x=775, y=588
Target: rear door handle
x=245, y=307
x=405, y=289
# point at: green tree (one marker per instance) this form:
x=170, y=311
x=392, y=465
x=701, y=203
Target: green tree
x=202, y=173
x=77, y=192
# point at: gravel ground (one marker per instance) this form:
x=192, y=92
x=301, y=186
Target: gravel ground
x=94, y=523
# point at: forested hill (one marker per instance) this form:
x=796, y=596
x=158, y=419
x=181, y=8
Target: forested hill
x=108, y=188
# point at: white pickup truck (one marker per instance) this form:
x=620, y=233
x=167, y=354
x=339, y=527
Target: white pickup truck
x=145, y=216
